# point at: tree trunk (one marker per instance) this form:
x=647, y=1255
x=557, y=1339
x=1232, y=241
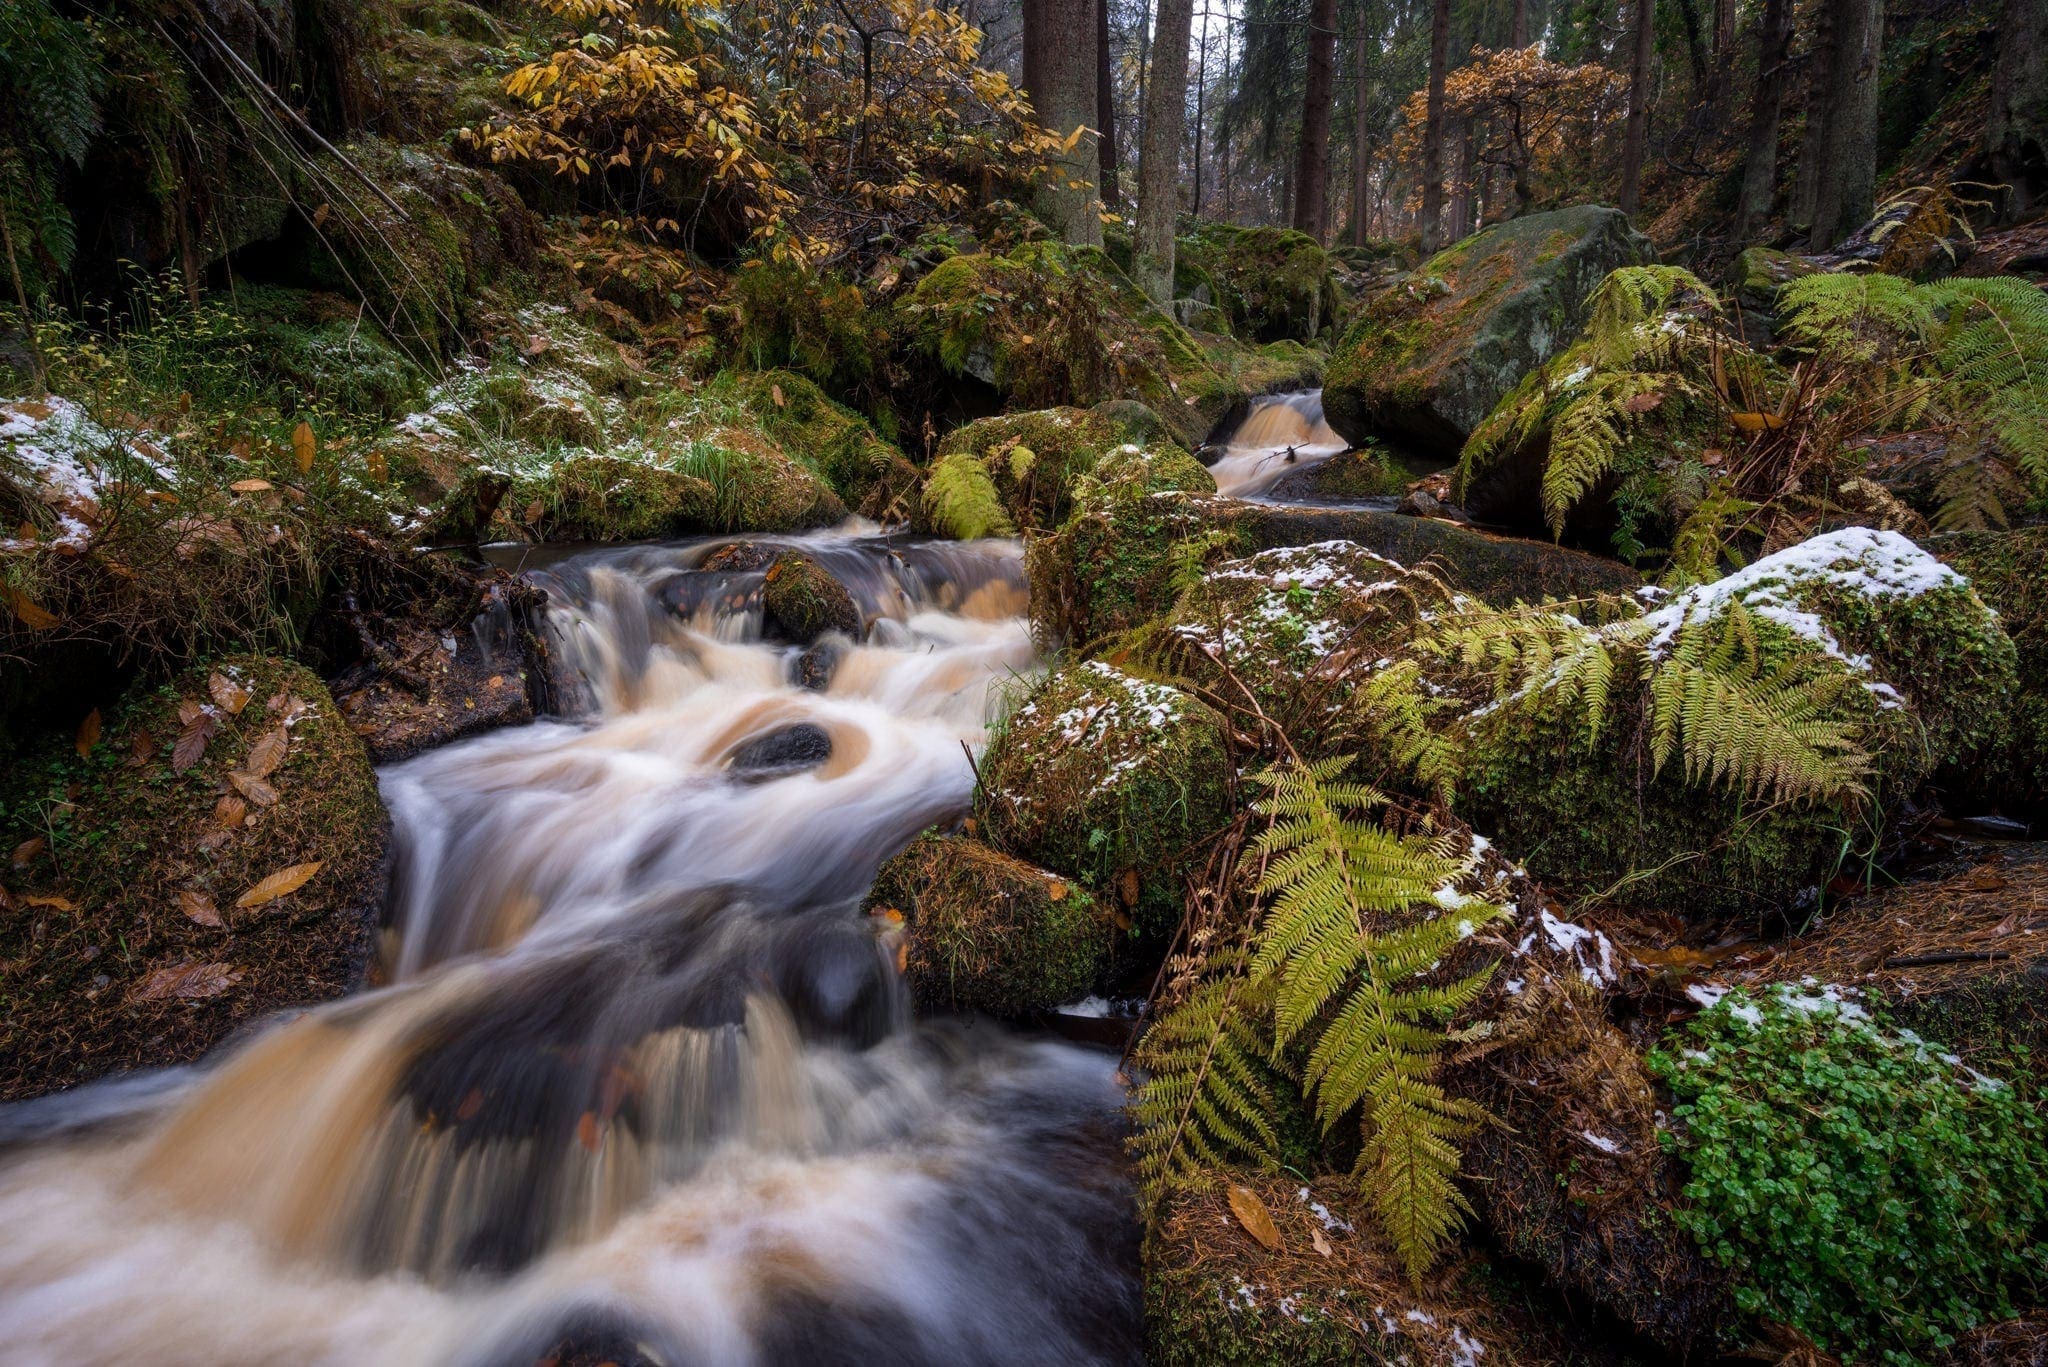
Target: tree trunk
x=1638, y=136
x=1201, y=106
x=1433, y=129
x=1518, y=25
x=1105, y=103
x=1361, y=154
x=1760, y=173
x=2018, y=127
x=1848, y=180
x=1722, y=81
x=1813, y=140
x=1159, y=151
x=1060, y=76
x=1312, y=167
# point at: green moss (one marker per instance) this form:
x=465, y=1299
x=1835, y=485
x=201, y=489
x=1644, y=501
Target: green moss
x=1035, y=461
x=2006, y=570
x=125, y=832
x=817, y=325
x=825, y=435
x=801, y=601
x=1273, y=284
x=317, y=352
x=1110, y=780
x=1117, y=562
x=990, y=933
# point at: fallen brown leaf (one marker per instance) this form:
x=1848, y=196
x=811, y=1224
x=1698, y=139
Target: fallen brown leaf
x=280, y=884
x=250, y=486
x=230, y=696
x=27, y=850
x=229, y=811
x=187, y=979
x=266, y=753
x=199, y=908
x=303, y=446
x=1251, y=1212
x=253, y=788
x=50, y=900
x=192, y=742
x=31, y=615
x=1315, y=1236
x=88, y=732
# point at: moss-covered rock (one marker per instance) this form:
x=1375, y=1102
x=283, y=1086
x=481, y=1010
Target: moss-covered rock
x=1348, y=476
x=316, y=350
x=125, y=944
x=1925, y=666
x=986, y=932
x=2009, y=571
x=1274, y=284
x=818, y=325
x=1111, y=780
x=801, y=601
x=863, y=469
x=1759, y=273
x=1033, y=460
x=1117, y=562
x=1429, y=358
x=1048, y=325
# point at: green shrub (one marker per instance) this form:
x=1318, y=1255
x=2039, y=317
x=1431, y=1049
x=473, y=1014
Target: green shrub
x=1866, y=1186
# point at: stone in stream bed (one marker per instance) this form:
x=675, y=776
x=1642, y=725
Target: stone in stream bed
x=801, y=601
x=986, y=932
x=123, y=945
x=790, y=750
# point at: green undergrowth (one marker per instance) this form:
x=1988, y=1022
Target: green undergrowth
x=1864, y=1186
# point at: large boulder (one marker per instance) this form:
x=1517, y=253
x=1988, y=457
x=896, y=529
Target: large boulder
x=2006, y=570
x=1429, y=358
x=1029, y=465
x=210, y=852
x=1109, y=779
x=1272, y=284
x=986, y=932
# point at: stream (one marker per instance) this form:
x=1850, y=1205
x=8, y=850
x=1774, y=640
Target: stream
x=641, y=1079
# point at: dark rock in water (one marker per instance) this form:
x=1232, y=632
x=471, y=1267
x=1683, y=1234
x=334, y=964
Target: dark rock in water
x=722, y=594
x=1499, y=569
x=837, y=985
x=1419, y=503
x=788, y=751
x=801, y=601
x=739, y=556
x=1432, y=356
x=814, y=668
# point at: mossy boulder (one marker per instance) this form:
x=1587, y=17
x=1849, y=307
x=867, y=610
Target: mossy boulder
x=1430, y=357
x=1758, y=274
x=1031, y=461
x=986, y=932
x=420, y=267
x=1118, y=561
x=1274, y=284
x=1656, y=475
x=2009, y=571
x=126, y=939
x=317, y=350
x=1111, y=780
x=1925, y=669
x=838, y=443
x=815, y=323
x=1051, y=325
x=801, y=601
x=1348, y=476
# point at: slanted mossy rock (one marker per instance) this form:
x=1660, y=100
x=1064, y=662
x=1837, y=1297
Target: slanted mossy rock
x=816, y=324
x=1251, y=371
x=1048, y=324
x=1758, y=274
x=125, y=944
x=1429, y=358
x=1274, y=284
x=1117, y=562
x=1111, y=780
x=2009, y=571
x=864, y=470
x=985, y=932
x=1368, y=472
x=801, y=601
x=1927, y=670
x=1215, y=1297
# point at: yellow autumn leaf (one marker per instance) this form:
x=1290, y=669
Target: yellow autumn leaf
x=1251, y=1212
x=303, y=446
x=250, y=486
x=26, y=611
x=280, y=884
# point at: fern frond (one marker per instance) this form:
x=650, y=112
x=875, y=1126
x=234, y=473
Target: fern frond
x=961, y=500
x=1635, y=321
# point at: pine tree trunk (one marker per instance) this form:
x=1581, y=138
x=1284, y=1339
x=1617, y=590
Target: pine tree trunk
x=1813, y=140
x=1159, y=152
x=1060, y=76
x=1312, y=162
x=1361, y=154
x=1433, y=129
x=1518, y=25
x=2017, y=131
x=1638, y=136
x=1760, y=173
x=1105, y=104
x=1848, y=181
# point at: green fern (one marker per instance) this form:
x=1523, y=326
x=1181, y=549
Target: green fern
x=961, y=500
x=1638, y=320
x=1205, y=1101
x=1590, y=431
x=1351, y=939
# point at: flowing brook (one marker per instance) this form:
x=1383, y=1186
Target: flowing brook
x=1281, y=434
x=643, y=1079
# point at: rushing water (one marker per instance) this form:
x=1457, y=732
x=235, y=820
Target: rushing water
x=643, y=1073
x=1280, y=435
